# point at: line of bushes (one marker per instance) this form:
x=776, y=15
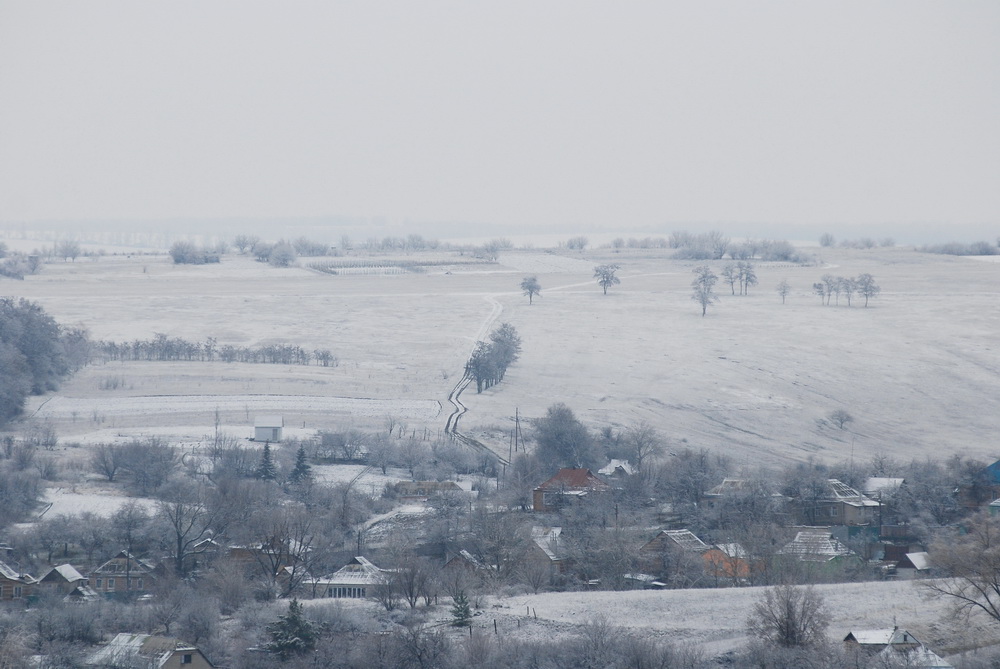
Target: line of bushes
x=164, y=348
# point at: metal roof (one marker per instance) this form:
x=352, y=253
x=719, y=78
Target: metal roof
x=815, y=545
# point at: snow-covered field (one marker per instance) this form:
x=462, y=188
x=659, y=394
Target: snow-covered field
x=61, y=408
x=919, y=369
x=715, y=619
x=69, y=502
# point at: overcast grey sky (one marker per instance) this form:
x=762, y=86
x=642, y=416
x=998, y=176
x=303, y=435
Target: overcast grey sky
x=598, y=114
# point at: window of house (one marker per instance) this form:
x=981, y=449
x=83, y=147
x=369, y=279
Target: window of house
x=17, y=592
x=98, y=583
x=187, y=658
x=139, y=581
x=833, y=511
x=111, y=584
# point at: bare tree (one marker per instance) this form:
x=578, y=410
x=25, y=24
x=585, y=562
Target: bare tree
x=827, y=240
x=784, y=289
x=285, y=543
x=190, y=518
x=106, y=460
x=68, y=249
x=841, y=417
x=605, y=275
x=748, y=276
x=969, y=560
x=849, y=286
x=830, y=285
x=867, y=287
x=790, y=617
x=245, y=243
x=643, y=443
x=731, y=274
x=703, y=287
x=820, y=290
x=530, y=287
x=718, y=243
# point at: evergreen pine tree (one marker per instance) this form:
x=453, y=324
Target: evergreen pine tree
x=266, y=469
x=461, y=613
x=302, y=472
x=292, y=634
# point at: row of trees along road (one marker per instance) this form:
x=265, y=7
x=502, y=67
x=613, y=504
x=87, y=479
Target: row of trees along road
x=490, y=360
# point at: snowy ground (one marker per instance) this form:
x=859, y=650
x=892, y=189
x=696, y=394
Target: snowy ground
x=715, y=619
x=61, y=408
x=69, y=502
x=919, y=370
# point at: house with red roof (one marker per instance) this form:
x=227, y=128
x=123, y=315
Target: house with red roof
x=566, y=486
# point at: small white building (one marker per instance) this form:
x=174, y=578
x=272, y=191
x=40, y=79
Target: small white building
x=358, y=579
x=268, y=428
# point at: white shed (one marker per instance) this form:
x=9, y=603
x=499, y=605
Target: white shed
x=268, y=428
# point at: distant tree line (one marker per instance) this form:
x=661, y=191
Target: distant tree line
x=715, y=246
x=164, y=348
x=490, y=360
x=188, y=253
x=828, y=240
x=960, y=249
x=17, y=265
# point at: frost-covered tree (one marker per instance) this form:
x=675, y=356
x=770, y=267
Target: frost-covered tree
x=605, y=275
x=530, y=287
x=292, y=634
x=562, y=440
x=783, y=288
x=790, y=617
x=703, y=287
x=867, y=287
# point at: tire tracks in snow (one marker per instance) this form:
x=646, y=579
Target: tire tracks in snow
x=454, y=397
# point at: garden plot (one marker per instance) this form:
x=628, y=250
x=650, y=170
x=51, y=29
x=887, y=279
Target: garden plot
x=370, y=480
x=69, y=502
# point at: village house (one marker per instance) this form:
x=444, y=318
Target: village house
x=358, y=579
x=144, y=651
x=463, y=559
x=567, y=485
x=839, y=504
x=63, y=579
x=124, y=573
x=894, y=647
x=13, y=584
x=617, y=470
x=712, y=497
x=661, y=555
x=913, y=565
x=268, y=428
x=547, y=550
x=816, y=544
